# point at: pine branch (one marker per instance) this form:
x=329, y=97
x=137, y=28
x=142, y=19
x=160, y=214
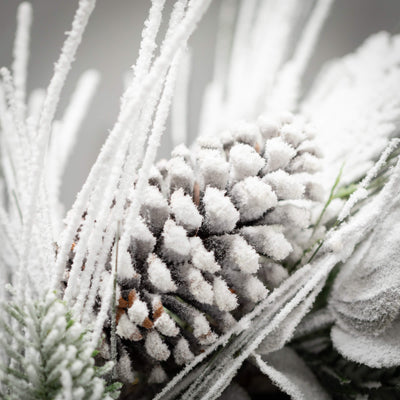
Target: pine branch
x=47, y=355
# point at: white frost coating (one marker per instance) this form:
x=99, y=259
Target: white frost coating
x=21, y=55
x=138, y=312
x=142, y=237
x=159, y=67
x=377, y=115
x=289, y=372
x=278, y=153
x=127, y=329
x=185, y=211
x=125, y=268
x=154, y=207
x=214, y=168
x=242, y=256
x=361, y=192
x=255, y=289
x=269, y=127
x=180, y=151
x=273, y=273
x=289, y=215
x=221, y=216
x=376, y=352
x=155, y=346
x=292, y=134
x=176, y=245
x=201, y=258
x=197, y=285
x=286, y=186
x=246, y=132
x=160, y=275
x=245, y=161
x=165, y=325
x=365, y=300
x=314, y=189
x=253, y=197
x=51, y=100
x=180, y=174
x=201, y=327
x=223, y=297
x=267, y=240
x=157, y=375
x=182, y=352
x=305, y=162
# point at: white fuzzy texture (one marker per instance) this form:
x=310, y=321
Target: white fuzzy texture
x=246, y=132
x=182, y=352
x=185, y=211
x=127, y=329
x=289, y=215
x=305, y=162
x=180, y=174
x=157, y=375
x=176, y=245
x=284, y=185
x=241, y=255
x=290, y=373
x=376, y=352
x=278, y=153
x=165, y=325
x=213, y=168
x=269, y=127
x=155, y=346
x=292, y=134
x=142, y=236
x=267, y=240
x=202, y=330
x=154, y=207
x=245, y=161
x=253, y=197
x=273, y=273
x=200, y=289
x=254, y=289
x=125, y=267
x=221, y=215
x=160, y=275
x=223, y=297
x=138, y=312
x=377, y=114
x=201, y=258
x=181, y=151
x=124, y=368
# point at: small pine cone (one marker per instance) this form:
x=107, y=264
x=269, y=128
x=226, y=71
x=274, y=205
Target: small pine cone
x=211, y=236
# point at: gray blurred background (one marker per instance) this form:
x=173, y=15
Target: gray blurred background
x=111, y=44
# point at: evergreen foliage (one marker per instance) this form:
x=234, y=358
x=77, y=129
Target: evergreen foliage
x=47, y=355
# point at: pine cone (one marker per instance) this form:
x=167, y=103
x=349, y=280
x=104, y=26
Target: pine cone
x=213, y=231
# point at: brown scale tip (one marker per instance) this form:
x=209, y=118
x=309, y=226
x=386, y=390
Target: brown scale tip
x=131, y=297
x=147, y=323
x=122, y=303
x=158, y=310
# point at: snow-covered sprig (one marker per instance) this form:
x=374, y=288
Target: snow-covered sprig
x=46, y=355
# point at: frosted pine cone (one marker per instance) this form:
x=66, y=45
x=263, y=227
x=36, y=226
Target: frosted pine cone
x=212, y=233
